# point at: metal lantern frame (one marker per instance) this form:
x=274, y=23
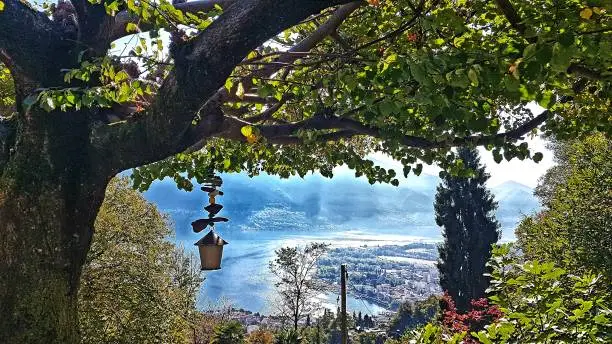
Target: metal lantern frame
x=210, y=247
x=211, y=251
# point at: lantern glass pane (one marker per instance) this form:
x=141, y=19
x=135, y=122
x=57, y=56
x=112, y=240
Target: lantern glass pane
x=210, y=256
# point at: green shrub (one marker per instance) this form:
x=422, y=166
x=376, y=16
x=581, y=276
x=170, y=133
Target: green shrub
x=540, y=302
x=230, y=332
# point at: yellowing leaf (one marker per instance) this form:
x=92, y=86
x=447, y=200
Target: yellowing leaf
x=251, y=139
x=586, y=13
x=247, y=131
x=252, y=55
x=131, y=27
x=1, y=5
x=240, y=91
x=228, y=84
x=458, y=41
x=514, y=69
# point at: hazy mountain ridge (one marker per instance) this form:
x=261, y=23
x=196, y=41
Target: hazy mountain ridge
x=318, y=203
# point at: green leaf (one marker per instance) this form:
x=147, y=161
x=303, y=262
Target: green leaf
x=419, y=74
x=458, y=41
x=391, y=58
x=473, y=76
x=601, y=319
x=567, y=38
x=240, y=91
x=530, y=50
x=497, y=156
x=407, y=171
x=545, y=99
x=537, y=157
x=482, y=337
x=561, y=57
x=418, y=169
x=511, y=84
x=70, y=98
x=387, y=107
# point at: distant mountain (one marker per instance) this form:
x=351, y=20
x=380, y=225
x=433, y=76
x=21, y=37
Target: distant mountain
x=318, y=203
x=515, y=201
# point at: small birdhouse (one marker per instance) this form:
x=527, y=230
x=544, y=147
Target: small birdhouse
x=211, y=251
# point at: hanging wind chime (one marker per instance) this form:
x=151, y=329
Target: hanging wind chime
x=211, y=245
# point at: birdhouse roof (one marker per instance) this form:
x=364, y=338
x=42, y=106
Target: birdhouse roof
x=211, y=238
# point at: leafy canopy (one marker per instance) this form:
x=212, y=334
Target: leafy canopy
x=432, y=70
x=407, y=78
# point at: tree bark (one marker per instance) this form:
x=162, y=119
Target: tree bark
x=50, y=192
x=54, y=167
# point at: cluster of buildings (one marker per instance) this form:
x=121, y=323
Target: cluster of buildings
x=384, y=279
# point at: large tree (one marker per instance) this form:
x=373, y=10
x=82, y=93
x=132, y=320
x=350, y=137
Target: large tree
x=574, y=230
x=465, y=209
x=283, y=86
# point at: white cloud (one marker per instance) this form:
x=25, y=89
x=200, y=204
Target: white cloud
x=525, y=172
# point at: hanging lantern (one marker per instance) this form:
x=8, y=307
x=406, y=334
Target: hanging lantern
x=211, y=250
x=211, y=245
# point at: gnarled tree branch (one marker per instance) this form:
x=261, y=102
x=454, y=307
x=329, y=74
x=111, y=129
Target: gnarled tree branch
x=285, y=134
x=95, y=26
x=586, y=72
x=305, y=45
x=201, y=67
x=31, y=43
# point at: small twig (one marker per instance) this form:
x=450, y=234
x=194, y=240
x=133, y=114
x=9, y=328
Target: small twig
x=397, y=31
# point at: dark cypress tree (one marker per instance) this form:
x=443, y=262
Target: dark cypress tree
x=465, y=209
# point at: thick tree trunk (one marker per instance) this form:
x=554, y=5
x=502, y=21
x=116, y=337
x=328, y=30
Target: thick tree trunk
x=53, y=175
x=49, y=197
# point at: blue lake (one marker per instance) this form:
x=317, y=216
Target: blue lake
x=245, y=281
